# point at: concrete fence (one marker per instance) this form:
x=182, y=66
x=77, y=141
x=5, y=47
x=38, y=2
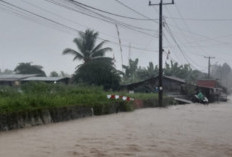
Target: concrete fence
x=45, y=116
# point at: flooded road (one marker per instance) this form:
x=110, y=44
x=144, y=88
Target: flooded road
x=177, y=131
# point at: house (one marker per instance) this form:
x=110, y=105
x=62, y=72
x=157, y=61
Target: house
x=14, y=79
x=17, y=79
x=64, y=80
x=171, y=85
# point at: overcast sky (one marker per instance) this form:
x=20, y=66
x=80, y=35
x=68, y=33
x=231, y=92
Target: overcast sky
x=38, y=31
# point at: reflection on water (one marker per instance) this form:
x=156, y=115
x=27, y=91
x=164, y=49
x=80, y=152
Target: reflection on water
x=181, y=131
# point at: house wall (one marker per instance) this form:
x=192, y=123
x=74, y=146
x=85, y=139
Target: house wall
x=150, y=86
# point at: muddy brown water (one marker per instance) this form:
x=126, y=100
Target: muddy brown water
x=179, y=131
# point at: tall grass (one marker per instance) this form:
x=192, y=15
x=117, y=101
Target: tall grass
x=36, y=96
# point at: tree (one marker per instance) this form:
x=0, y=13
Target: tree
x=6, y=72
x=27, y=68
x=180, y=71
x=96, y=68
x=87, y=48
x=222, y=73
x=183, y=72
x=98, y=73
x=54, y=74
x=130, y=70
x=146, y=73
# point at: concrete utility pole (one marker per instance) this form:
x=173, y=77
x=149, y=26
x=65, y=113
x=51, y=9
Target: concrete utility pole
x=161, y=48
x=209, y=57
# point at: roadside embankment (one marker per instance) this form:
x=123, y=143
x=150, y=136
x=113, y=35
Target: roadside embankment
x=38, y=103
x=39, y=117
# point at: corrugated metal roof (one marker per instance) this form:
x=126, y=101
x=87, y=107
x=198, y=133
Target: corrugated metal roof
x=15, y=77
x=207, y=83
x=174, y=78
x=156, y=78
x=50, y=79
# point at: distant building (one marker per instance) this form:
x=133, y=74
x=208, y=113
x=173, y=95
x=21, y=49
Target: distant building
x=64, y=80
x=171, y=85
x=14, y=79
x=17, y=79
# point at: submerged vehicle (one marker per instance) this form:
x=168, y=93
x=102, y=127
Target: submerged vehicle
x=203, y=100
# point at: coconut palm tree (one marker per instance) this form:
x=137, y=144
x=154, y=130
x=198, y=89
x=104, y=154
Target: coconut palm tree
x=96, y=68
x=87, y=48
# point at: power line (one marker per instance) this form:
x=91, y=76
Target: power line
x=107, y=12
x=200, y=20
x=4, y=3
x=178, y=46
x=197, y=34
x=187, y=26
x=21, y=10
x=123, y=4
x=103, y=18
x=111, y=20
x=64, y=18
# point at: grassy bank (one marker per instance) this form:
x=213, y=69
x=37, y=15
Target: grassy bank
x=37, y=96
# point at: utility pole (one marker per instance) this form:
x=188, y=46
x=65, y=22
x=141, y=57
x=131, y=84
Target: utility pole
x=209, y=57
x=119, y=41
x=161, y=48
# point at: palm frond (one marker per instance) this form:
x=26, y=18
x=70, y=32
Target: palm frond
x=101, y=52
x=103, y=59
x=99, y=46
x=76, y=54
x=79, y=42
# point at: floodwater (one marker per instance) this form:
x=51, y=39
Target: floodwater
x=179, y=131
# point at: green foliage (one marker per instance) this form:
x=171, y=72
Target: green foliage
x=133, y=73
x=6, y=72
x=98, y=73
x=130, y=70
x=6, y=91
x=96, y=69
x=37, y=96
x=54, y=74
x=87, y=48
x=146, y=73
x=27, y=68
x=182, y=71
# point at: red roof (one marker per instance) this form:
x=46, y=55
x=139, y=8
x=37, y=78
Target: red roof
x=207, y=83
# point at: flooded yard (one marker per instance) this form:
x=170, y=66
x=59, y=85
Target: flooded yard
x=177, y=131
